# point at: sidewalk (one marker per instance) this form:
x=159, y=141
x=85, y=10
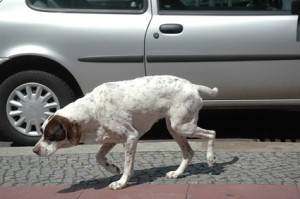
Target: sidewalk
x=155, y=191
x=244, y=170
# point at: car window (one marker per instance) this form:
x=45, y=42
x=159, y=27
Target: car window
x=88, y=4
x=239, y=5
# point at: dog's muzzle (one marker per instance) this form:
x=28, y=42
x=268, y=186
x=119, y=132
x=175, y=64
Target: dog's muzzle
x=37, y=149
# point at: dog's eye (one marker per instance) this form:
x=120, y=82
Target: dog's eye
x=50, y=137
x=55, y=137
x=60, y=136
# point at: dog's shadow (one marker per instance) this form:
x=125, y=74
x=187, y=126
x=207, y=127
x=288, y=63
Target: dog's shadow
x=150, y=175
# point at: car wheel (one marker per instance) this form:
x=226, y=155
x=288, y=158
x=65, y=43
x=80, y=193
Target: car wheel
x=27, y=99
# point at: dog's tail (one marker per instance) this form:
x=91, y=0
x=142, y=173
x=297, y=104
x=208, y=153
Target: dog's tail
x=208, y=91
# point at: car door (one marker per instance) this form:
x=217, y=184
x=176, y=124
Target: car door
x=248, y=49
x=96, y=40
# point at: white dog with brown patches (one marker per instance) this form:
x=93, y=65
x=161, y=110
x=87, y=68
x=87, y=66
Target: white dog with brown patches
x=121, y=112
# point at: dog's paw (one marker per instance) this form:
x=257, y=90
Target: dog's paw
x=116, y=185
x=211, y=161
x=172, y=175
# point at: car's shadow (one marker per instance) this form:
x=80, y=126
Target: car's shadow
x=152, y=174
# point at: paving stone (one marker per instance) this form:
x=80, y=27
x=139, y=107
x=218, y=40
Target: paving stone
x=151, y=167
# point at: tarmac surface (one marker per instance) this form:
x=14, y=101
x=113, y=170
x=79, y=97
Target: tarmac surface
x=244, y=169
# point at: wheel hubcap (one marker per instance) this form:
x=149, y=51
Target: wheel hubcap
x=29, y=105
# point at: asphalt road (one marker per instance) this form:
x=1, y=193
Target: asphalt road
x=263, y=125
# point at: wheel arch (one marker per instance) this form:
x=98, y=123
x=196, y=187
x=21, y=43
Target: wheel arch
x=33, y=62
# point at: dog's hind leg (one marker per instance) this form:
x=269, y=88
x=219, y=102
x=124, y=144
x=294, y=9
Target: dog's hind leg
x=186, y=125
x=187, y=152
x=198, y=132
x=210, y=135
x=102, y=160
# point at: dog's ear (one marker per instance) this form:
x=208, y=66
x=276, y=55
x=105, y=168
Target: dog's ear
x=60, y=128
x=54, y=131
x=74, y=133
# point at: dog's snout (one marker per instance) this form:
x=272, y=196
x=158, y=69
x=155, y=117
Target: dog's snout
x=37, y=149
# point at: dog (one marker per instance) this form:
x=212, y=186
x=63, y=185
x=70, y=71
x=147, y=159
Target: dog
x=121, y=112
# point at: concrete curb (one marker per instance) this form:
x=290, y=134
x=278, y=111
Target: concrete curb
x=144, y=146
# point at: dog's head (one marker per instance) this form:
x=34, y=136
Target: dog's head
x=58, y=132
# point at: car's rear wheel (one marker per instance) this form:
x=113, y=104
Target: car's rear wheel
x=26, y=99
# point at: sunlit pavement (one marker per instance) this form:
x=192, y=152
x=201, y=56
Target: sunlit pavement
x=244, y=169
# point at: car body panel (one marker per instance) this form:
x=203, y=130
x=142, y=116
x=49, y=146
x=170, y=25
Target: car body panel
x=252, y=58
x=246, y=57
x=67, y=37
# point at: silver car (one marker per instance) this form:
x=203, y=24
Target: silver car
x=54, y=51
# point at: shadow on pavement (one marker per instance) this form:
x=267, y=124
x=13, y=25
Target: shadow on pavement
x=152, y=174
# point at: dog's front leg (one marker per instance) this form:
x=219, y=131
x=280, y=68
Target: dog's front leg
x=102, y=160
x=130, y=149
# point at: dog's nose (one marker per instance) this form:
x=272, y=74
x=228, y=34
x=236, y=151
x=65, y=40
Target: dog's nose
x=37, y=149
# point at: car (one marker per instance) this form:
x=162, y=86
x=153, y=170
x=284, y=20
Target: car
x=54, y=51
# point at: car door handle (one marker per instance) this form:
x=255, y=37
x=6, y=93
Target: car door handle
x=171, y=28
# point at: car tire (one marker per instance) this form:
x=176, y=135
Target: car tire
x=26, y=99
